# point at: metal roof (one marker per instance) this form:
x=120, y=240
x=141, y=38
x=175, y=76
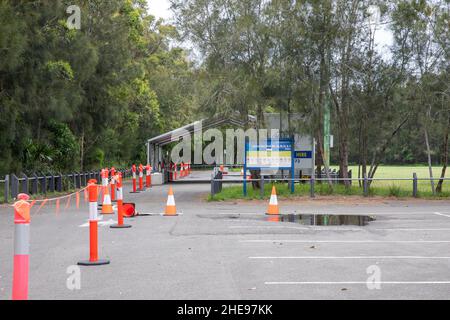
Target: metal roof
x=204, y=124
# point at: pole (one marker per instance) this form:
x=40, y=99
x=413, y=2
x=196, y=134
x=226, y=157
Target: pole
x=141, y=177
x=326, y=132
x=312, y=187
x=133, y=169
x=245, y=167
x=93, y=227
x=113, y=184
x=120, y=224
x=21, y=247
x=292, y=165
x=415, y=189
x=105, y=175
x=148, y=172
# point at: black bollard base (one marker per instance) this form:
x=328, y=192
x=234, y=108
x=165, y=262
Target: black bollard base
x=123, y=226
x=88, y=263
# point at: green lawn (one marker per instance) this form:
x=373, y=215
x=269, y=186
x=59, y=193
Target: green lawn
x=400, y=189
x=386, y=172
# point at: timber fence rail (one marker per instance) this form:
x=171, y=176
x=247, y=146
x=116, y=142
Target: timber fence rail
x=365, y=182
x=38, y=183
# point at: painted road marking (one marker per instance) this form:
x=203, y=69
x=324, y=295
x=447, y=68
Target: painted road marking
x=162, y=214
x=337, y=228
x=346, y=241
x=354, y=282
x=348, y=257
x=381, y=213
x=100, y=223
x=441, y=214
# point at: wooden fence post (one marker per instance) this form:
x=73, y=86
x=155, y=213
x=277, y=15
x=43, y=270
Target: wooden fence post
x=7, y=188
x=366, y=186
x=24, y=185
x=35, y=184
x=312, y=187
x=14, y=186
x=59, y=183
x=415, y=185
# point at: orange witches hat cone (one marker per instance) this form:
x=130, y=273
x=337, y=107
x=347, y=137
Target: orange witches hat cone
x=107, y=205
x=273, y=205
x=171, y=209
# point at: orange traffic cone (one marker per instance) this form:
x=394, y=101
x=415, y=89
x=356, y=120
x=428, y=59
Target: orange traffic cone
x=273, y=205
x=171, y=209
x=107, y=205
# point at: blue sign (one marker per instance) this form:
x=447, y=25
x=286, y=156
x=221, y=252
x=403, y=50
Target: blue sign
x=274, y=154
x=303, y=154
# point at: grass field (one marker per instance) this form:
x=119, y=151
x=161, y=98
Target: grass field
x=399, y=189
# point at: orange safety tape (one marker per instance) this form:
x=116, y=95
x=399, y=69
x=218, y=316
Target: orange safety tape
x=41, y=206
x=68, y=202
x=57, y=206
x=78, y=200
x=62, y=197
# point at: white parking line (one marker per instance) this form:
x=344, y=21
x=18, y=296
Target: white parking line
x=346, y=241
x=441, y=214
x=354, y=282
x=337, y=228
x=348, y=257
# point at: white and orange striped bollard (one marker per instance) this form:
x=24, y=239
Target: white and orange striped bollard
x=133, y=169
x=120, y=224
x=148, y=172
x=93, y=228
x=21, y=247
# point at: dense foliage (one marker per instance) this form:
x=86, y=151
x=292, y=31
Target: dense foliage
x=387, y=104
x=76, y=99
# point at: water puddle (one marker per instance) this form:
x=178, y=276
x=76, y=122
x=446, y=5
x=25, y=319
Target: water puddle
x=303, y=219
x=323, y=220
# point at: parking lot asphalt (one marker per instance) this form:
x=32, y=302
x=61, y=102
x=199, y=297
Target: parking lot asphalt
x=231, y=250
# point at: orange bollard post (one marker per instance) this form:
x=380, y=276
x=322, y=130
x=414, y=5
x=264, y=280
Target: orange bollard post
x=113, y=184
x=105, y=174
x=120, y=224
x=21, y=247
x=93, y=228
x=133, y=169
x=148, y=172
x=141, y=177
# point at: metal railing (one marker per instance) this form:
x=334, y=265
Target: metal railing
x=42, y=183
x=366, y=183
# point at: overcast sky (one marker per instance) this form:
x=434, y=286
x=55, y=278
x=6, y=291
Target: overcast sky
x=160, y=9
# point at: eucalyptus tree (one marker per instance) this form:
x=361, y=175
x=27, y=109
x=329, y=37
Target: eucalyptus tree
x=424, y=34
x=234, y=40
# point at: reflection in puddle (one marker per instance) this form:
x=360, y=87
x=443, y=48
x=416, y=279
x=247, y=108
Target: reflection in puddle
x=303, y=219
x=323, y=220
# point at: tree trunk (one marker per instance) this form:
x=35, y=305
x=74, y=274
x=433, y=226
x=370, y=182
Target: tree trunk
x=343, y=149
x=444, y=158
x=430, y=167
x=375, y=159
